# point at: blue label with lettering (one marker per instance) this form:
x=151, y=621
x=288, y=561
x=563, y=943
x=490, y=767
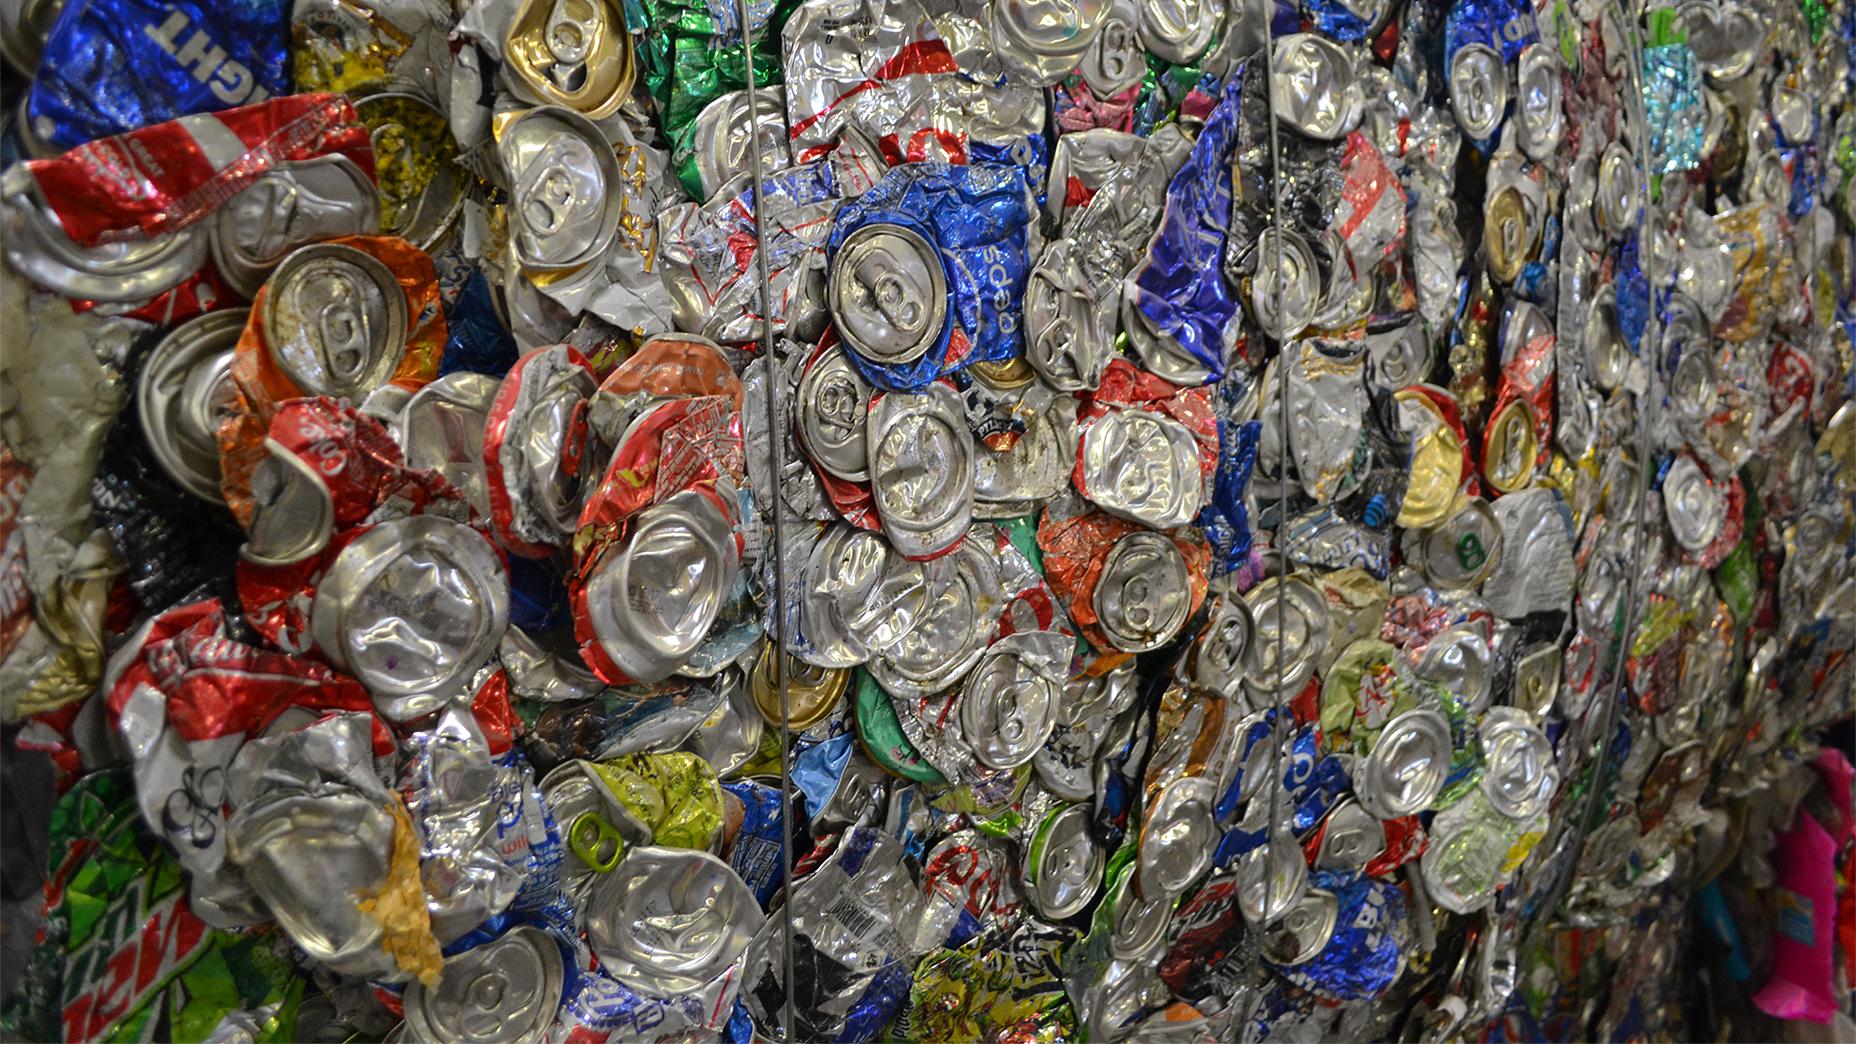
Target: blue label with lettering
x=111, y=66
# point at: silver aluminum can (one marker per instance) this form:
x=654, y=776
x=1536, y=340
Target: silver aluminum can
x=1217, y=658
x=958, y=616
x=1539, y=93
x=1536, y=682
x=24, y=27
x=1069, y=333
x=1315, y=86
x=504, y=991
x=351, y=836
x=1405, y=770
x=1178, y=837
x=292, y=513
x=184, y=387
x=1041, y=41
x=1461, y=551
x=1606, y=354
x=1141, y=466
x=288, y=206
x=335, y=320
x=1303, y=930
x=1015, y=482
x=1695, y=508
x=651, y=599
x=921, y=469
x=1063, y=863
x=723, y=132
x=1140, y=922
x=671, y=921
x=728, y=738
x=441, y=427
x=1143, y=595
x=1179, y=31
x=1478, y=89
x=565, y=195
x=1008, y=704
x=1520, y=775
x=535, y=498
x=860, y=596
x=1285, y=291
x=1725, y=37
x=1619, y=191
x=834, y=412
x=1296, y=645
x=133, y=270
x=1116, y=59
x=1459, y=659
x=887, y=293
x=1350, y=838
x=1271, y=879
x=412, y=607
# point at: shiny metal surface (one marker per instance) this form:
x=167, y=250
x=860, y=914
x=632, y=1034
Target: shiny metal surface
x=184, y=388
x=335, y=320
x=288, y=206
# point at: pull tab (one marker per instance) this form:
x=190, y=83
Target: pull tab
x=597, y=842
x=343, y=336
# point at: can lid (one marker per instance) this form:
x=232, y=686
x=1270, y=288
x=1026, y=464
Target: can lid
x=1436, y=473
x=292, y=512
x=411, y=607
x=725, y=130
x=1510, y=233
x=576, y=55
x=1064, y=863
x=1350, y=838
x=1406, y=768
x=812, y=692
x=1116, y=59
x=137, y=269
x=1478, y=89
x=1695, y=508
x=1271, y=879
x=1299, y=640
x=921, y=469
x=1539, y=90
x=1316, y=88
x=1284, y=296
x=1179, y=31
x=184, y=386
x=1216, y=663
x=1302, y=931
x=532, y=438
x=565, y=191
x=1143, y=595
x=834, y=412
x=1140, y=923
x=649, y=600
x=859, y=596
x=888, y=293
x=1141, y=466
x=334, y=320
x=1511, y=448
x=1008, y=703
x=668, y=921
x=441, y=428
x=506, y=989
x=958, y=615
x=1520, y=775
x=1178, y=838
x=1618, y=197
x=1462, y=551
x=1459, y=660
x=415, y=158
x=285, y=207
x=1041, y=41
x=1069, y=335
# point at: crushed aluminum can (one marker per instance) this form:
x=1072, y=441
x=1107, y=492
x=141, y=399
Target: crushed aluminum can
x=834, y=407
x=1303, y=931
x=533, y=443
x=859, y=598
x=1063, y=863
x=422, y=189
x=643, y=605
x=1179, y=31
x=1041, y=42
x=718, y=145
x=1008, y=703
x=412, y=607
x=1316, y=86
x=1478, y=89
x=1142, y=595
x=1365, y=950
x=288, y=206
x=1406, y=768
x=921, y=470
x=1285, y=284
x=334, y=320
x=1294, y=644
x=564, y=203
x=1178, y=837
x=1216, y=660
x=667, y=922
x=441, y=428
x=1070, y=333
x=1142, y=466
x=506, y=989
x=1271, y=879
x=1539, y=96
x=576, y=56
x=1461, y=551
x=1520, y=776
x=812, y=693
x=181, y=392
x=1696, y=509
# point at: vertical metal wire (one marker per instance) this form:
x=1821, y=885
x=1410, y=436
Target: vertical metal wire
x=1648, y=406
x=1279, y=729
x=776, y=468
